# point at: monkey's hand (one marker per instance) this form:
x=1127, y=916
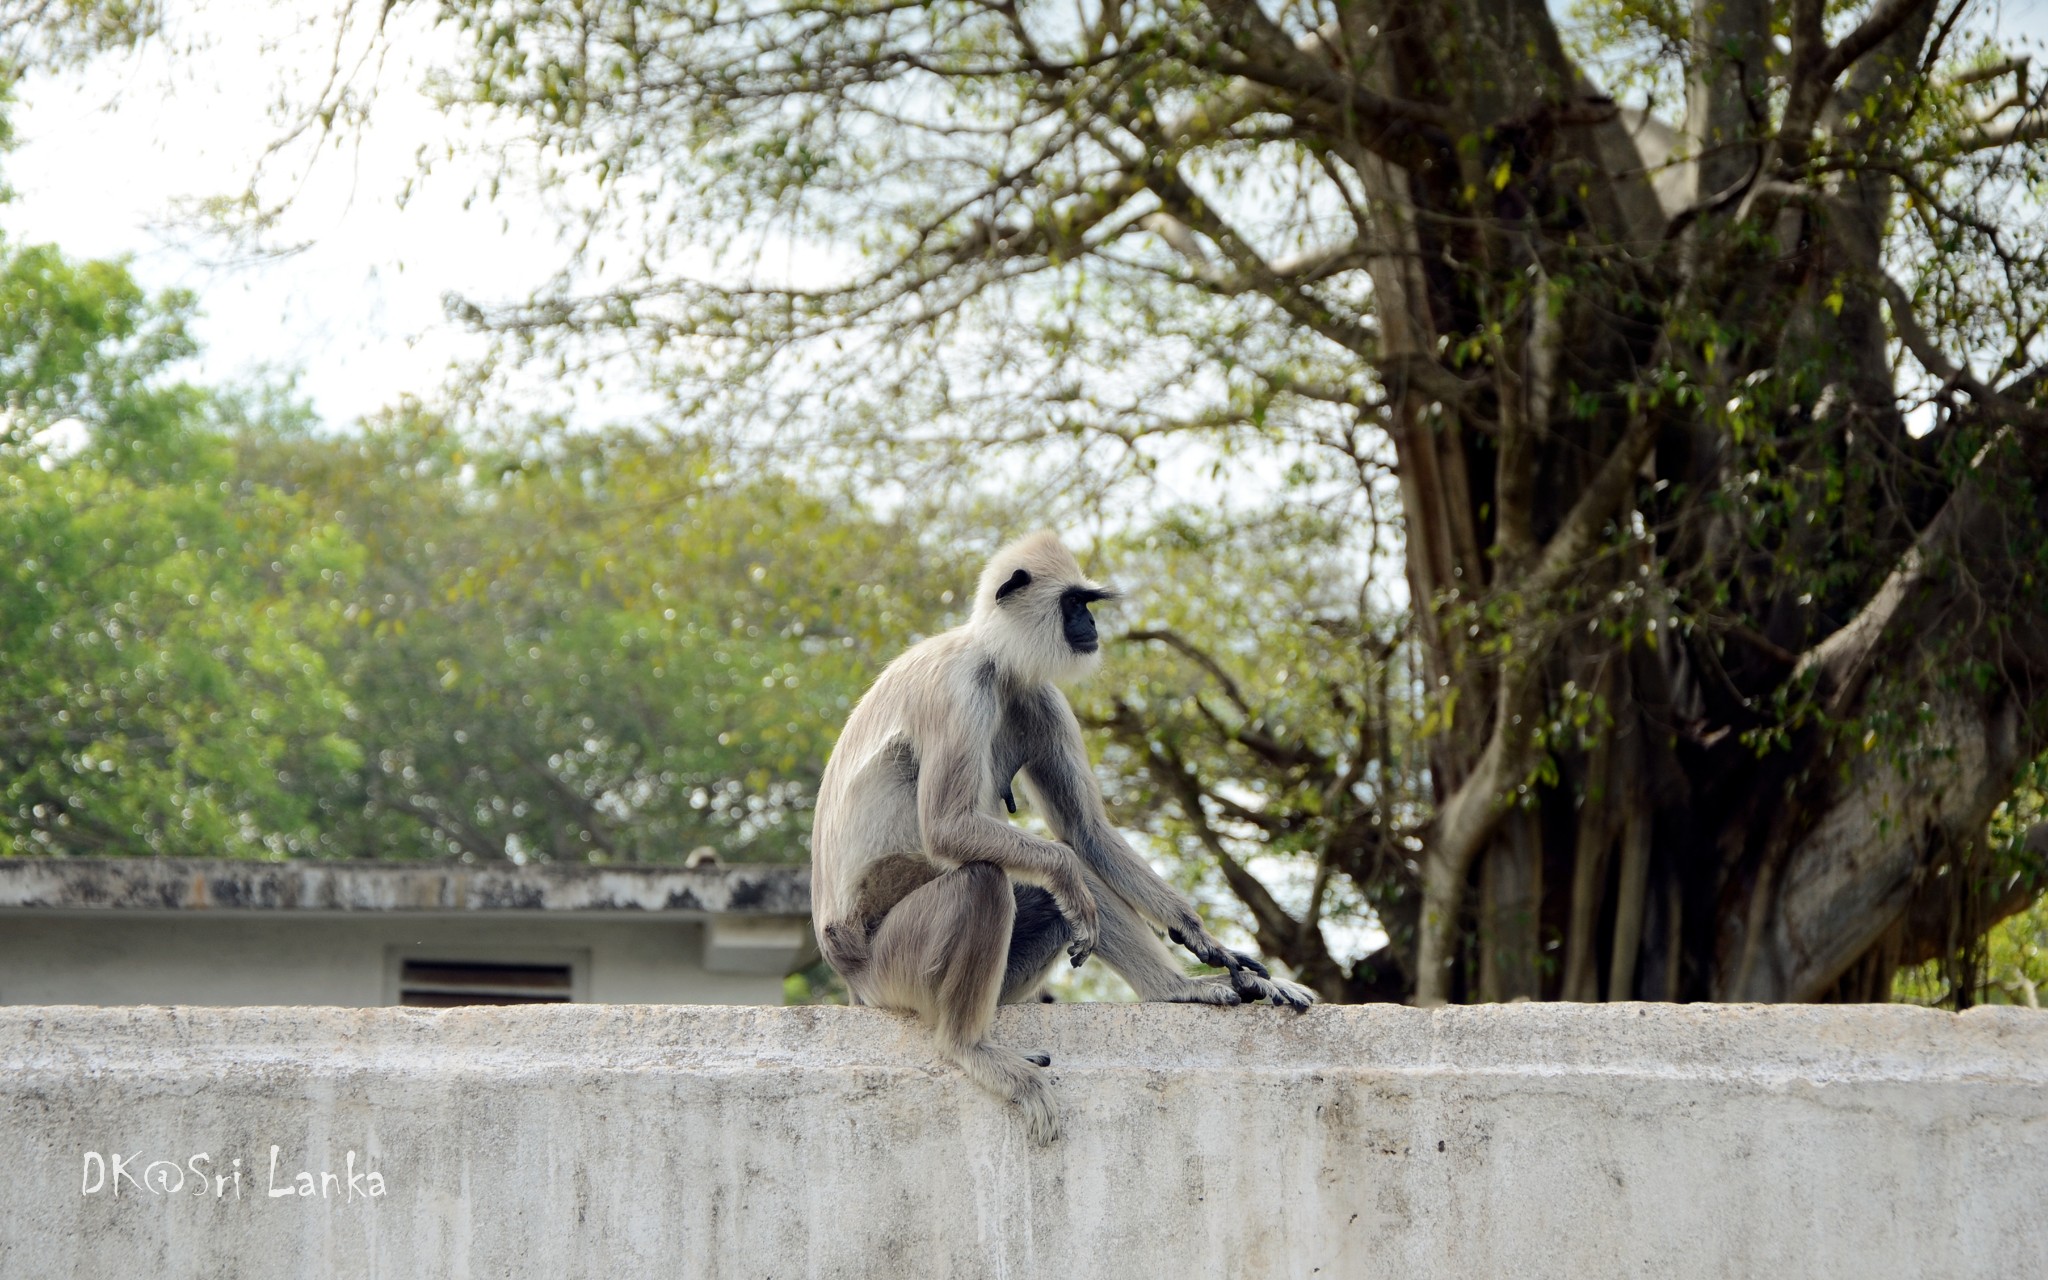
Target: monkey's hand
x=1290, y=995
x=1194, y=937
x=1077, y=907
x=1250, y=979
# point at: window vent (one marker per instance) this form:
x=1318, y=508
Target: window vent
x=444, y=984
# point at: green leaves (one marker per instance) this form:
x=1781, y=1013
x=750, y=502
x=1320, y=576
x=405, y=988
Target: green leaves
x=223, y=632
x=82, y=340
x=600, y=647
x=162, y=689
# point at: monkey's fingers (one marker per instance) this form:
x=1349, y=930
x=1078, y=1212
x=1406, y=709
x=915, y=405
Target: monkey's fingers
x=1281, y=992
x=1207, y=991
x=1292, y=995
x=1246, y=962
x=1250, y=979
x=1205, y=948
x=1211, y=952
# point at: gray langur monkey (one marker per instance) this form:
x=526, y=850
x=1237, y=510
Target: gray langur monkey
x=929, y=900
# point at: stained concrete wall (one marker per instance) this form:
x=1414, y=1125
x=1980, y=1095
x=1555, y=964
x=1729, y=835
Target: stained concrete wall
x=225, y=931
x=263, y=958
x=566, y=1141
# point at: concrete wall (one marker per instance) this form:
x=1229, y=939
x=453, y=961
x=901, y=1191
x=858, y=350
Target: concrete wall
x=246, y=958
x=238, y=884
x=565, y=1141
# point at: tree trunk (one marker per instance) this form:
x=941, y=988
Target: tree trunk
x=1707, y=868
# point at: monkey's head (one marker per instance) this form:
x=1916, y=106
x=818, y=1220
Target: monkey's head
x=1032, y=611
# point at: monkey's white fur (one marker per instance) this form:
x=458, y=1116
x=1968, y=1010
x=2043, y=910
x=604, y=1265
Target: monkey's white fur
x=928, y=899
x=1022, y=633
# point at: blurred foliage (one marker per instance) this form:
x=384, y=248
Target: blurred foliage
x=599, y=646
x=2013, y=968
x=1987, y=959
x=162, y=685
x=223, y=631
x=64, y=33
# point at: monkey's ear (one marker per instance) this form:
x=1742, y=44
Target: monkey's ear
x=1018, y=581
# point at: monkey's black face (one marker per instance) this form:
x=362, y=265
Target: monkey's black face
x=1075, y=619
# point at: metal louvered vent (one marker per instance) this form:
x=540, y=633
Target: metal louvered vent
x=443, y=984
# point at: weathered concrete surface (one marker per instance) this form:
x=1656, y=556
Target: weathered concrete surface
x=224, y=884
x=567, y=1141
x=276, y=958
x=234, y=932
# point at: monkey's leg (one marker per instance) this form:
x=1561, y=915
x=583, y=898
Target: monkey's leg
x=942, y=953
x=1247, y=976
x=1127, y=944
x=1038, y=935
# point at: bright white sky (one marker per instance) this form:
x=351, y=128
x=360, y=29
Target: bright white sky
x=107, y=154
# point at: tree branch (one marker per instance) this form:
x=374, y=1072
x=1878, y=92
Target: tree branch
x=1192, y=652
x=1576, y=534
x=1997, y=405
x=1396, y=128
x=1258, y=275
x=1884, y=18
x=1278, y=932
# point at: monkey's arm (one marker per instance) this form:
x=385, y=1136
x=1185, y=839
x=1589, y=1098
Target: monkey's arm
x=955, y=786
x=1062, y=785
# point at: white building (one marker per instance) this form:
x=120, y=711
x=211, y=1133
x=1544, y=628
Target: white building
x=226, y=932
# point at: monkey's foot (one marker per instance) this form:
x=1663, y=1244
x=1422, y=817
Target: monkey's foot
x=1281, y=992
x=1010, y=1075
x=1206, y=993
x=1250, y=979
x=1038, y=1059
x=1041, y=1114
